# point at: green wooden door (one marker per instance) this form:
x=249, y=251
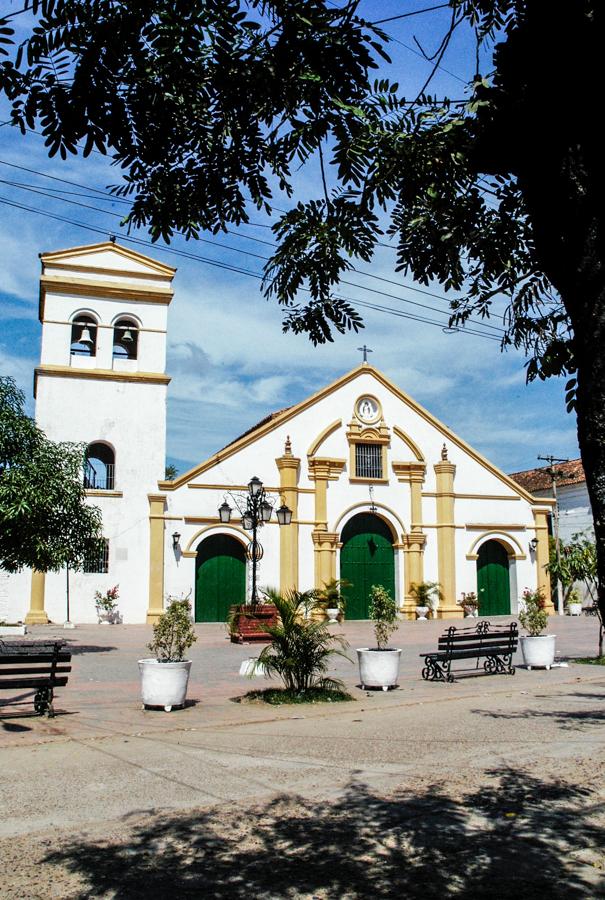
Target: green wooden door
x=220, y=577
x=493, y=586
x=366, y=558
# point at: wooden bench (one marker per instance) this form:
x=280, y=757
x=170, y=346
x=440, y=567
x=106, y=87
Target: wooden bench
x=494, y=646
x=39, y=666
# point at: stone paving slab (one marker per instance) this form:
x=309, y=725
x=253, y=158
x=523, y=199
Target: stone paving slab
x=103, y=694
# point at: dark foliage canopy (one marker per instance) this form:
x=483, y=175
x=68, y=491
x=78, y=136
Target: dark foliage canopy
x=44, y=521
x=209, y=107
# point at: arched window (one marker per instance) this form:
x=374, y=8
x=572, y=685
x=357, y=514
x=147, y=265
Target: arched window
x=84, y=336
x=125, y=339
x=99, y=467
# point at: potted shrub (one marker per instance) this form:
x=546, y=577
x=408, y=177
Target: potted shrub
x=470, y=604
x=330, y=598
x=538, y=649
x=573, y=602
x=379, y=666
x=427, y=595
x=164, y=677
x=107, y=605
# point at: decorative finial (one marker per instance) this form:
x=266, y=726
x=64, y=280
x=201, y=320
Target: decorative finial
x=365, y=350
x=288, y=447
x=444, y=453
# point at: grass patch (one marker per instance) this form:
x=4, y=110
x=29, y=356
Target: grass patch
x=282, y=696
x=590, y=660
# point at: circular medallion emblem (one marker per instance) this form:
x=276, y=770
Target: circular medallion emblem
x=367, y=409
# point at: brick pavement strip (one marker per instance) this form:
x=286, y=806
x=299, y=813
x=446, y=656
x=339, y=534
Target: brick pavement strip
x=226, y=800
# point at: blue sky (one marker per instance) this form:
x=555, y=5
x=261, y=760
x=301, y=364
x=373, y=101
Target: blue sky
x=229, y=361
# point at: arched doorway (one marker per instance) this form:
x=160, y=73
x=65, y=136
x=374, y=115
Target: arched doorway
x=493, y=583
x=220, y=577
x=366, y=558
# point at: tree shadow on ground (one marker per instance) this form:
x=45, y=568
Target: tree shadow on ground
x=79, y=649
x=569, y=720
x=511, y=837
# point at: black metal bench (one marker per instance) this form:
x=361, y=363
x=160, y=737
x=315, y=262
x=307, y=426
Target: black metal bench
x=40, y=666
x=494, y=646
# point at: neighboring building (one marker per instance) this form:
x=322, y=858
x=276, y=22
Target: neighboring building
x=380, y=490
x=575, y=513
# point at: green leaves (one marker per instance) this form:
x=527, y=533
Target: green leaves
x=45, y=522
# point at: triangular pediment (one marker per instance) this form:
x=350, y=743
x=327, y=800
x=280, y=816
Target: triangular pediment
x=106, y=257
x=274, y=421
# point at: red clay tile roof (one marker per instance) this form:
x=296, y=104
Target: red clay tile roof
x=539, y=479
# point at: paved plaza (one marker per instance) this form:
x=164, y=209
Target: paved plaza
x=491, y=786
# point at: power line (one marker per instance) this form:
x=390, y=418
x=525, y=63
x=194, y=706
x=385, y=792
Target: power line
x=222, y=246
x=220, y=265
x=408, y=15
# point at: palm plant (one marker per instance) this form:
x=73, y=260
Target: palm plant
x=330, y=595
x=425, y=593
x=300, y=650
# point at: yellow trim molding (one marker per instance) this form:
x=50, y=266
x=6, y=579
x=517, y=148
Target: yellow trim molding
x=474, y=496
x=361, y=370
x=322, y=437
x=100, y=374
x=409, y=443
x=90, y=249
x=95, y=493
x=364, y=506
x=514, y=549
x=498, y=526
x=224, y=529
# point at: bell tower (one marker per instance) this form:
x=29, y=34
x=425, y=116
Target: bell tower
x=102, y=382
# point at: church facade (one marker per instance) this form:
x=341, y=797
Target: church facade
x=380, y=491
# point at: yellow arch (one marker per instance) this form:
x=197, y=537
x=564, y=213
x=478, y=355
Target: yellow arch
x=510, y=544
x=322, y=437
x=364, y=507
x=223, y=529
x=409, y=442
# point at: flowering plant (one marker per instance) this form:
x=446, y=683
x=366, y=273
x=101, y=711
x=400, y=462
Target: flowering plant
x=534, y=617
x=107, y=602
x=469, y=601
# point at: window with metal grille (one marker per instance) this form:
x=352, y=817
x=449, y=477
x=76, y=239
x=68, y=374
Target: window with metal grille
x=97, y=560
x=368, y=460
x=99, y=467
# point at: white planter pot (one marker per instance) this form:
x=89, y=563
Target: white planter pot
x=378, y=668
x=332, y=613
x=7, y=630
x=575, y=609
x=421, y=612
x=538, y=651
x=164, y=684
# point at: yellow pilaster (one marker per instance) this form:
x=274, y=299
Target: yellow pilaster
x=543, y=577
x=157, y=503
x=325, y=544
x=413, y=543
x=322, y=470
x=37, y=614
x=446, y=537
x=288, y=466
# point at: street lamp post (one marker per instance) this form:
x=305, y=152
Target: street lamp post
x=255, y=509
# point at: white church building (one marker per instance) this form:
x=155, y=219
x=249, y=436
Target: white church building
x=380, y=491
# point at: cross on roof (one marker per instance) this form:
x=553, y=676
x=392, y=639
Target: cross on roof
x=365, y=350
